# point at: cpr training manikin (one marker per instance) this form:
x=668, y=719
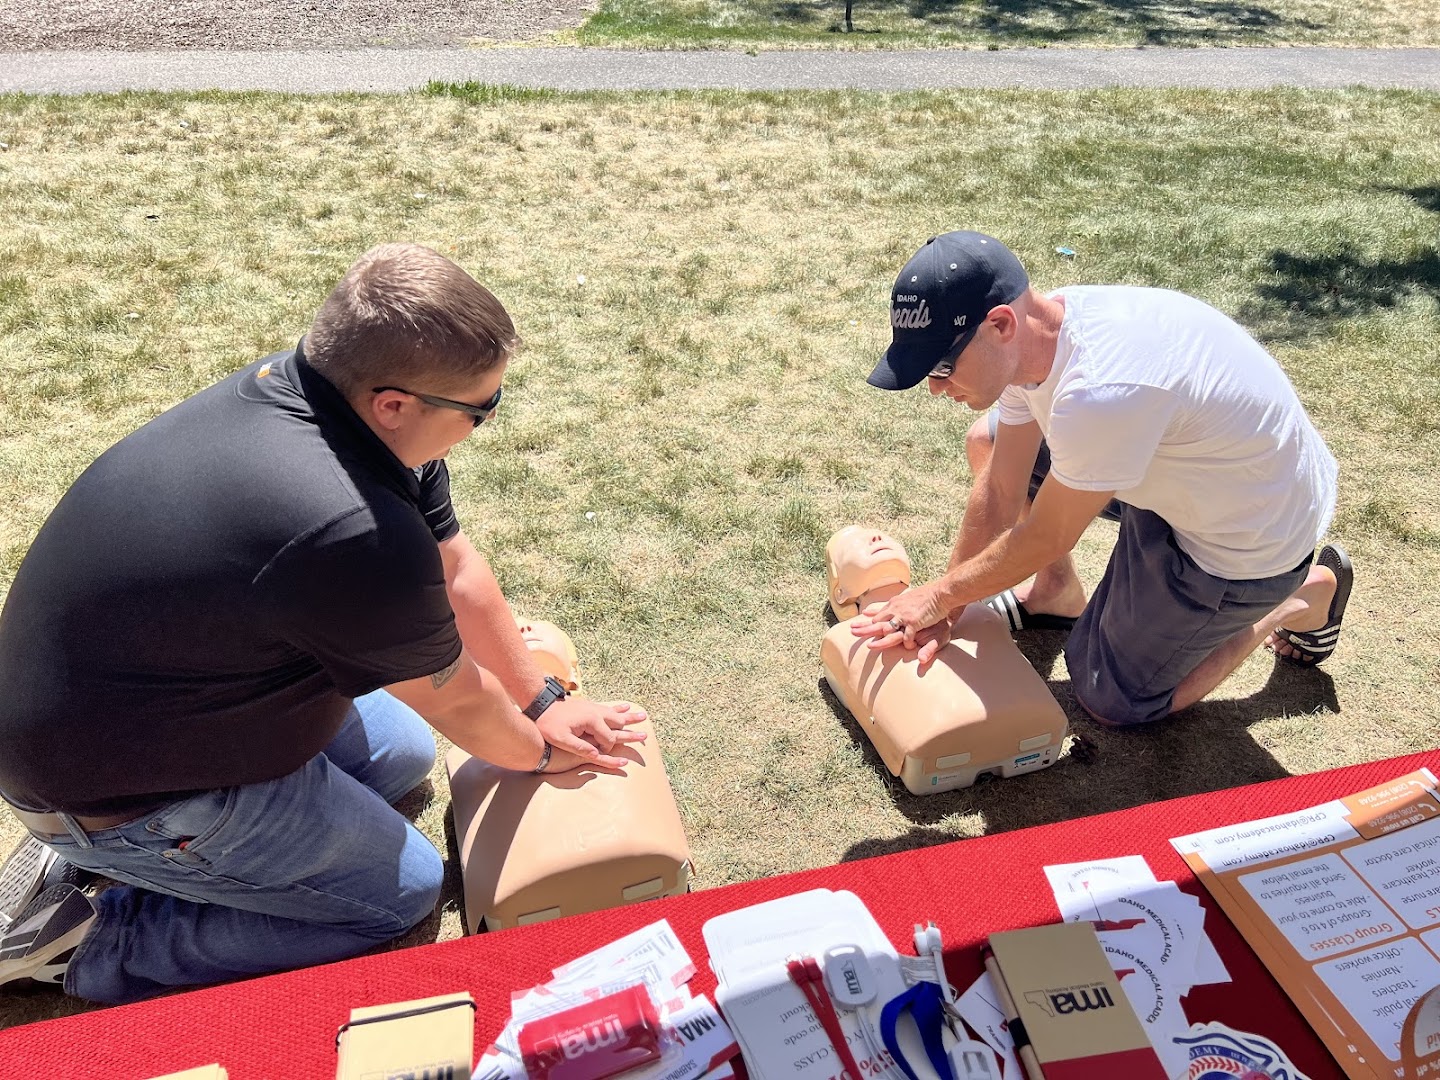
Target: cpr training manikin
x=978, y=708
x=538, y=847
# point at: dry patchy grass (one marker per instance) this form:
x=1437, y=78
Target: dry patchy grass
x=702, y=391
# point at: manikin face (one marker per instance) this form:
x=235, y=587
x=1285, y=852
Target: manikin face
x=553, y=650
x=418, y=432
x=861, y=559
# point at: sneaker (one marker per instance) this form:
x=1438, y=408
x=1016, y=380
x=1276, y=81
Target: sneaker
x=32, y=868
x=40, y=943
x=22, y=878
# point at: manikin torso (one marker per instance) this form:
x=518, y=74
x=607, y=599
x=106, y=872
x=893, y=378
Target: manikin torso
x=537, y=847
x=978, y=708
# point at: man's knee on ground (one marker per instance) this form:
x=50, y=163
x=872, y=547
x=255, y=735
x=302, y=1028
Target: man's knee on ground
x=420, y=876
x=1113, y=710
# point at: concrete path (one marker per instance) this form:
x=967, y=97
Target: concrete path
x=598, y=69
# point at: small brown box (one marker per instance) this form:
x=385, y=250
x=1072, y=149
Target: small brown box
x=433, y=1037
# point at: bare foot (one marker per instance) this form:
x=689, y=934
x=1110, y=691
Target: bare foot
x=1068, y=600
x=1312, y=611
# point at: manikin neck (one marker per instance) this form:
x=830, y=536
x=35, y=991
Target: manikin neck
x=880, y=594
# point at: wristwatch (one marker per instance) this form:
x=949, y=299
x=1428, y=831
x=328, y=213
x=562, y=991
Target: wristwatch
x=553, y=691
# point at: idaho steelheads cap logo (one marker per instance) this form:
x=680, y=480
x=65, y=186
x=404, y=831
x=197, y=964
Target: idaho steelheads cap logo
x=909, y=318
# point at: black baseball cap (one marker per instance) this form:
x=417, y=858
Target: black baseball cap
x=944, y=291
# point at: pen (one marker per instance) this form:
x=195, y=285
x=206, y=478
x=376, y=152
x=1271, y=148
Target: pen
x=1023, y=1050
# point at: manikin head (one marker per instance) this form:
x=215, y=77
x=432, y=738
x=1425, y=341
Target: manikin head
x=417, y=347
x=553, y=651
x=864, y=566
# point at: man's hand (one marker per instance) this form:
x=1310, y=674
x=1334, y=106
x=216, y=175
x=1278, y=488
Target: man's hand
x=913, y=619
x=583, y=732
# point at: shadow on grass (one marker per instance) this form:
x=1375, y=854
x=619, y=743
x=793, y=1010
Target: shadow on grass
x=1153, y=22
x=1206, y=748
x=1426, y=197
x=1306, y=294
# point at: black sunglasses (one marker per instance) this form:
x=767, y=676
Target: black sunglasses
x=945, y=366
x=478, y=413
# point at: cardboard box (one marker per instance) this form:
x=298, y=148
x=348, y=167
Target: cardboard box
x=204, y=1072
x=431, y=1037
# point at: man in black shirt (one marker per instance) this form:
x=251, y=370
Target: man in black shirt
x=215, y=651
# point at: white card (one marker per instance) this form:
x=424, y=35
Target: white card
x=980, y=1009
x=1072, y=882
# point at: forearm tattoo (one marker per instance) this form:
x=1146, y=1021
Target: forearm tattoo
x=445, y=674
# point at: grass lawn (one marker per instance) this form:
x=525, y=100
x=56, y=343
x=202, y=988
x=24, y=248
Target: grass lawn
x=701, y=281
x=756, y=24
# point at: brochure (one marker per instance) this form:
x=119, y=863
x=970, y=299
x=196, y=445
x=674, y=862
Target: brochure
x=1342, y=904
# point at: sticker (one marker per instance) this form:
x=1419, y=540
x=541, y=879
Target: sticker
x=1216, y=1052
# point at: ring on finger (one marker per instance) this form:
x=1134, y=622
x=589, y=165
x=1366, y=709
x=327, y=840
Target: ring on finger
x=896, y=624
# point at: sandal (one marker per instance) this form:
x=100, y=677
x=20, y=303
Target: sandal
x=1022, y=618
x=1316, y=645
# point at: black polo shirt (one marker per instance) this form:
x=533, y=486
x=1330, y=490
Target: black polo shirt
x=208, y=597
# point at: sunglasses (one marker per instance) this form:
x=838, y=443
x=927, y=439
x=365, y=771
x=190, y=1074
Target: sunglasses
x=478, y=413
x=945, y=366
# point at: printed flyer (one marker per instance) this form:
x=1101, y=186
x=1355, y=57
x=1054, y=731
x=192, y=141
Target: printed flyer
x=1342, y=903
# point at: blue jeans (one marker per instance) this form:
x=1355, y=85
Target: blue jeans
x=313, y=867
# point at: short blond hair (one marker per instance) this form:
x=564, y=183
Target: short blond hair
x=405, y=314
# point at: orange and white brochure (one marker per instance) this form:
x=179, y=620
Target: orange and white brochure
x=1342, y=903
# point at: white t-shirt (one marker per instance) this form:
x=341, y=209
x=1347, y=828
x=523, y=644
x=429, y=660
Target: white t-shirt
x=1162, y=399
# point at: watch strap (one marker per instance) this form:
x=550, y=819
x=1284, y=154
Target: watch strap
x=553, y=691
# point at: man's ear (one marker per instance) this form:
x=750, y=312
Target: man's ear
x=1005, y=321
x=387, y=408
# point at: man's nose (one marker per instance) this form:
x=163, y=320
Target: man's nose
x=936, y=386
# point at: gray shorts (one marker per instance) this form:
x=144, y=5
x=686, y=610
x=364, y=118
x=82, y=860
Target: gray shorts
x=1154, y=616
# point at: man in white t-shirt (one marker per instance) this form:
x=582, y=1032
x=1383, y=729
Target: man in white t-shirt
x=1144, y=405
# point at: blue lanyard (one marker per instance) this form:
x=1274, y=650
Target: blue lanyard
x=923, y=1001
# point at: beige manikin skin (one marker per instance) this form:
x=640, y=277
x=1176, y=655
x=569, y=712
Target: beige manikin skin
x=978, y=708
x=553, y=651
x=864, y=562
x=538, y=847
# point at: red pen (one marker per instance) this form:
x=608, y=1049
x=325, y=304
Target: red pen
x=805, y=973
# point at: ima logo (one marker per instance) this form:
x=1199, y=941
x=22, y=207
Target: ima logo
x=592, y=1037
x=1065, y=1002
